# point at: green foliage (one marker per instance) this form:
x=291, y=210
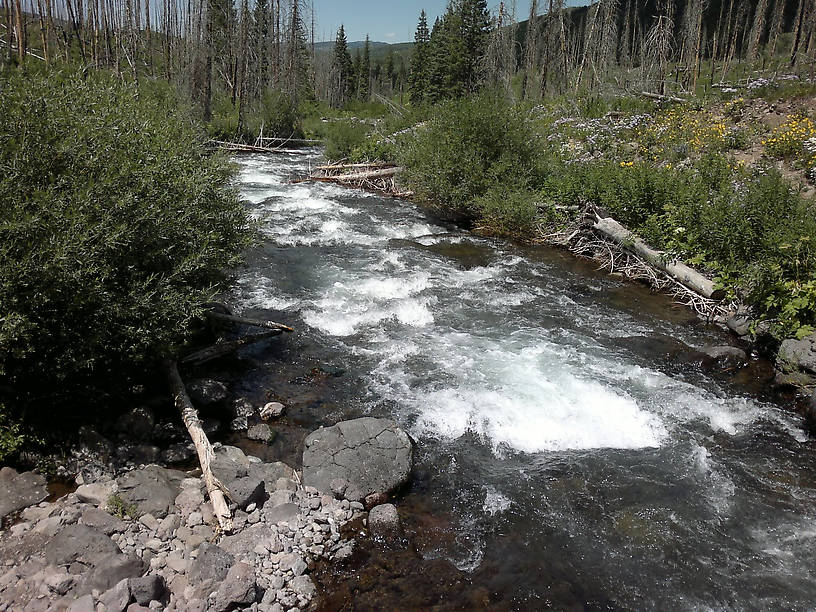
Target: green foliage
x=11, y=438
x=468, y=147
x=116, y=227
x=508, y=212
x=277, y=114
x=224, y=122
x=121, y=509
x=342, y=137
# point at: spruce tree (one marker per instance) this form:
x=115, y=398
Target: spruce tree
x=418, y=79
x=342, y=71
x=475, y=18
x=365, y=72
x=357, y=69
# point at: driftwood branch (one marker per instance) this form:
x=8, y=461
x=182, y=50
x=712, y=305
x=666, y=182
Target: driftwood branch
x=215, y=489
x=366, y=175
x=219, y=316
x=222, y=349
x=683, y=274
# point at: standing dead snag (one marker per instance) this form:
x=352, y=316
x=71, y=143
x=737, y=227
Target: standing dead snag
x=189, y=415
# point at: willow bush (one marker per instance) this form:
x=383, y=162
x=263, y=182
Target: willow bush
x=116, y=226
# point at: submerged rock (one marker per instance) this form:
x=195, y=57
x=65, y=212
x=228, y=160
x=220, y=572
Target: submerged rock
x=384, y=522
x=206, y=392
x=371, y=455
x=725, y=357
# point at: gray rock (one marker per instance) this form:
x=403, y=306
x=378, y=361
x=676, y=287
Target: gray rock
x=144, y=453
x=384, y=522
x=18, y=491
x=229, y=463
x=211, y=564
x=740, y=323
x=83, y=604
x=272, y=410
x=727, y=356
x=149, y=521
x=57, y=580
x=147, y=588
x=260, y=432
x=797, y=360
x=79, y=543
x=270, y=473
x=117, y=598
x=237, y=589
x=152, y=489
x=247, y=490
x=285, y=513
x=277, y=498
x=111, y=569
x=243, y=541
x=97, y=493
x=372, y=455
x=98, y=519
x=285, y=484
x=206, y=392
x=177, y=453
x=94, y=443
x=293, y=562
x=137, y=424
x=239, y=424
x=167, y=526
x=189, y=501
x=303, y=587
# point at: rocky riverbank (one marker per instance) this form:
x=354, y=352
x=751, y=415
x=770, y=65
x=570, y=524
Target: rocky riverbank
x=148, y=539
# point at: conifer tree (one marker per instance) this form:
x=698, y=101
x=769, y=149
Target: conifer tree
x=342, y=71
x=365, y=76
x=357, y=70
x=418, y=79
x=475, y=23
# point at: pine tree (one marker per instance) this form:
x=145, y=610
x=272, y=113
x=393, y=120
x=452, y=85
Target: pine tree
x=418, y=79
x=475, y=21
x=342, y=72
x=356, y=70
x=365, y=72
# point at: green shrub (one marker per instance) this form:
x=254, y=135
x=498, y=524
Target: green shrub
x=11, y=438
x=116, y=227
x=342, y=137
x=507, y=212
x=277, y=115
x=468, y=147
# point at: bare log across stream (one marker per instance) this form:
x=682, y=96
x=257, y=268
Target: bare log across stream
x=220, y=316
x=215, y=489
x=374, y=176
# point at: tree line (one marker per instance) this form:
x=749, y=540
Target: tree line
x=650, y=44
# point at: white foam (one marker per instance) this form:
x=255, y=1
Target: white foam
x=495, y=502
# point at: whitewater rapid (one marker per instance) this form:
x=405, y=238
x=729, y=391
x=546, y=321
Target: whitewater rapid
x=544, y=403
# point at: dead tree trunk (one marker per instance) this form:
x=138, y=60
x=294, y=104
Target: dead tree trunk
x=203, y=447
x=679, y=271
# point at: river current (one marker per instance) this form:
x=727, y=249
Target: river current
x=571, y=445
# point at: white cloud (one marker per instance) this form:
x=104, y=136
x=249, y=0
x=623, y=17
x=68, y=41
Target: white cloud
x=391, y=35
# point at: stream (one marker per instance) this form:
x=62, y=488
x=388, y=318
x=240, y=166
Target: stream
x=574, y=447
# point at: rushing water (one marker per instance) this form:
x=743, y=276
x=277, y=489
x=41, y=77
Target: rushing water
x=569, y=441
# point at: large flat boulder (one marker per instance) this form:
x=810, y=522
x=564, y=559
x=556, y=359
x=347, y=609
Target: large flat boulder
x=152, y=489
x=368, y=455
x=18, y=491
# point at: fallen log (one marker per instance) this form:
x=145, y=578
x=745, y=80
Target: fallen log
x=237, y=146
x=683, y=274
x=329, y=167
x=365, y=176
x=215, y=489
x=292, y=141
x=220, y=316
x=221, y=349
x=662, y=98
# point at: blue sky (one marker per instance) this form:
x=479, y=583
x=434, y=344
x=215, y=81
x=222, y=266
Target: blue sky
x=386, y=20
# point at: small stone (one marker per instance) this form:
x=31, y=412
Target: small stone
x=303, y=587
x=116, y=598
x=195, y=519
x=97, y=493
x=83, y=604
x=375, y=499
x=149, y=521
x=260, y=432
x=384, y=521
x=285, y=484
x=147, y=588
x=280, y=497
x=272, y=410
x=206, y=392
